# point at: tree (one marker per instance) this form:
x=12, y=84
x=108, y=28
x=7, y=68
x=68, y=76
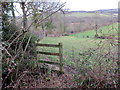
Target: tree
x=23, y=7
x=13, y=13
x=5, y=19
x=44, y=10
x=49, y=25
x=19, y=47
x=96, y=24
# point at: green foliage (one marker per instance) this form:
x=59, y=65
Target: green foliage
x=49, y=25
x=21, y=50
x=36, y=24
x=8, y=31
x=32, y=40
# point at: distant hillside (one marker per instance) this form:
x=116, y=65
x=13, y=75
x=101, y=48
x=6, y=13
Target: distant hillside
x=108, y=10
x=114, y=11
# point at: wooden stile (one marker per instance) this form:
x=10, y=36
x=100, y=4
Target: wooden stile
x=60, y=54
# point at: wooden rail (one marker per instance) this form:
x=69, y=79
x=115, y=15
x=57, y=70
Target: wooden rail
x=47, y=45
x=60, y=54
x=48, y=53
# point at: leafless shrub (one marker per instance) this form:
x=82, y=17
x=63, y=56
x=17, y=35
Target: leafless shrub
x=99, y=66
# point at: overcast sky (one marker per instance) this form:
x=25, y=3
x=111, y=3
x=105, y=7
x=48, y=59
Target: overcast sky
x=87, y=5
x=91, y=4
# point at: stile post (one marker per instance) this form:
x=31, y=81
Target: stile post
x=61, y=57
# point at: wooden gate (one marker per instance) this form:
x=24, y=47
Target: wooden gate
x=59, y=54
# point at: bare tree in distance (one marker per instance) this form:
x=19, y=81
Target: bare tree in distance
x=96, y=24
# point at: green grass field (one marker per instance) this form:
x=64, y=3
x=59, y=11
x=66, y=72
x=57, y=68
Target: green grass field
x=106, y=31
x=77, y=14
x=81, y=14
x=75, y=44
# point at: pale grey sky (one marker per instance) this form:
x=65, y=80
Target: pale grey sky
x=87, y=5
x=91, y=4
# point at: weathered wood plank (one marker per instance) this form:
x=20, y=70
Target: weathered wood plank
x=49, y=62
x=48, y=53
x=61, y=57
x=47, y=45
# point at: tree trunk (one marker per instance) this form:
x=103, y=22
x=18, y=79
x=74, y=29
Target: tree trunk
x=13, y=13
x=96, y=28
x=24, y=15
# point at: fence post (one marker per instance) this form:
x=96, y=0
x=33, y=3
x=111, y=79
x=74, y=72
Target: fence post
x=73, y=58
x=61, y=57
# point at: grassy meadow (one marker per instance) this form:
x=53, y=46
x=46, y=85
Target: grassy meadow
x=106, y=31
x=77, y=14
x=76, y=46
x=81, y=14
